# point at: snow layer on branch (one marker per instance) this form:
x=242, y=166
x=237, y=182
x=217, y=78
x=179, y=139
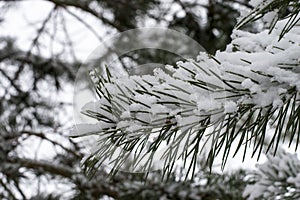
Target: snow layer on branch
x=89, y=129
x=230, y=107
x=255, y=69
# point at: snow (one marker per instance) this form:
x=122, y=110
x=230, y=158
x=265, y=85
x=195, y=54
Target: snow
x=255, y=68
x=278, y=178
x=88, y=129
x=247, y=83
x=125, y=114
x=295, y=180
x=206, y=104
x=255, y=3
x=230, y=107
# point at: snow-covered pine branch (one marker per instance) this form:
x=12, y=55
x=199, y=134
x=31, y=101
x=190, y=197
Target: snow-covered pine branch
x=215, y=100
x=278, y=178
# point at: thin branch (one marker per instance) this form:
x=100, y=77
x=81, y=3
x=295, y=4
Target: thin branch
x=86, y=8
x=44, y=166
x=34, y=42
x=43, y=136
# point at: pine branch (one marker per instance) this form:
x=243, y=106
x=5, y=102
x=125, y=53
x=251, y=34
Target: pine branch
x=278, y=178
x=205, y=105
x=276, y=10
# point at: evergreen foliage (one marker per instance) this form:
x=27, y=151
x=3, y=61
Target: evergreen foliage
x=239, y=93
